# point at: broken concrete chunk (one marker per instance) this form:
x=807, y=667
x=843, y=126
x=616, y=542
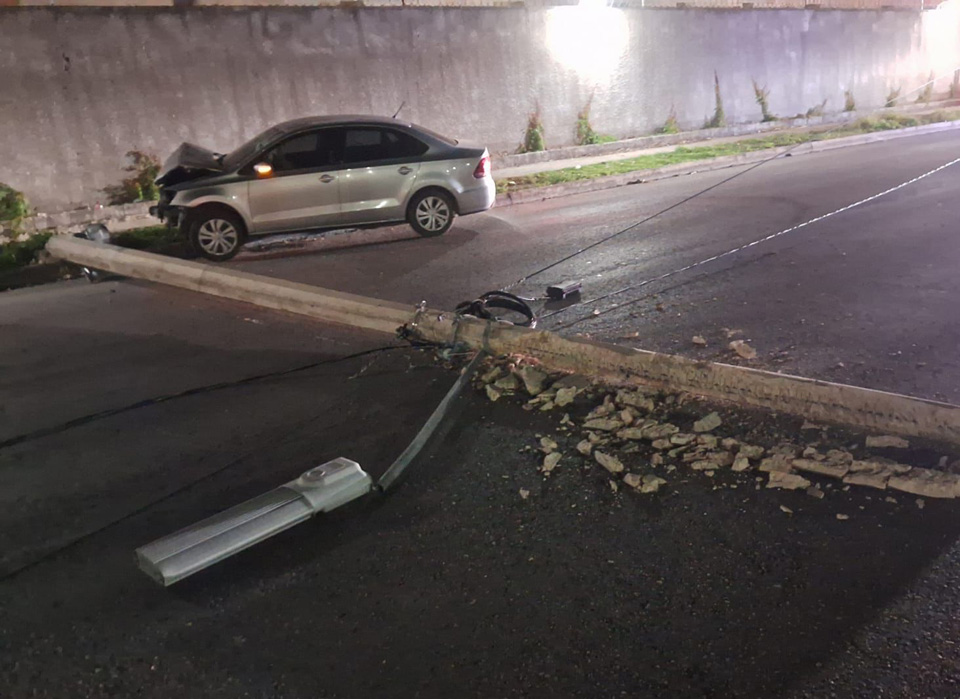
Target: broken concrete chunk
x=658, y=431
x=873, y=474
x=547, y=445
x=524, y=493
x=507, y=383
x=750, y=452
x=707, y=441
x=656, y=460
x=703, y=465
x=824, y=468
x=839, y=456
x=699, y=340
x=533, y=379
x=548, y=405
x=492, y=375
x=636, y=399
x=778, y=463
x=784, y=508
x=741, y=463
x=550, y=462
x=815, y=492
x=604, y=424
x=565, y=420
x=565, y=396
x=707, y=423
x=627, y=416
x=585, y=447
x=787, y=481
x=611, y=463
x=492, y=393
x=927, y=482
x=786, y=450
x=843, y=518
x=729, y=444
x=812, y=453
x=886, y=441
x=682, y=439
x=634, y=480
x=662, y=444
x=721, y=458
x=743, y=349
x=652, y=483
x=594, y=438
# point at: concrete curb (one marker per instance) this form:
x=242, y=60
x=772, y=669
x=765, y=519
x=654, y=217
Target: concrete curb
x=815, y=400
x=597, y=184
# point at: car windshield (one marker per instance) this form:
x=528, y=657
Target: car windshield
x=237, y=157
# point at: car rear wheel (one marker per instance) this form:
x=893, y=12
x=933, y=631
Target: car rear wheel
x=431, y=213
x=217, y=234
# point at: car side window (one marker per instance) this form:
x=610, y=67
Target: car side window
x=308, y=151
x=368, y=145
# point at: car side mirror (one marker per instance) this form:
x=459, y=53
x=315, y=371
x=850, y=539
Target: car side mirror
x=263, y=170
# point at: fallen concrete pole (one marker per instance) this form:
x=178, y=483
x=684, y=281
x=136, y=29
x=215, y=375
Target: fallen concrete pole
x=815, y=400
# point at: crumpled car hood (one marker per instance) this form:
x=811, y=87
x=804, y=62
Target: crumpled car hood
x=188, y=162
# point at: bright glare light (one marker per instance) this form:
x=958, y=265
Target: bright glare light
x=589, y=38
x=942, y=33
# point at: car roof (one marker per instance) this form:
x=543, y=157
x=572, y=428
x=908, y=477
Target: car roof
x=344, y=119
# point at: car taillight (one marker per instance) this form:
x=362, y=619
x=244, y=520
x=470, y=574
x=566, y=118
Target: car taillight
x=483, y=167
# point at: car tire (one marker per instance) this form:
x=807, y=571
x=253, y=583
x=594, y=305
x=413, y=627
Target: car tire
x=217, y=234
x=431, y=213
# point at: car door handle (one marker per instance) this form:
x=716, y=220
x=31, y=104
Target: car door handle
x=327, y=178
x=405, y=170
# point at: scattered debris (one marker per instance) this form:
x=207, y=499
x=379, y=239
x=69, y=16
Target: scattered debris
x=566, y=421
x=731, y=333
x=708, y=423
x=533, y=379
x=550, y=462
x=887, y=441
x=815, y=492
x=633, y=480
x=807, y=425
x=699, y=340
x=565, y=396
x=507, y=383
x=784, y=508
x=892, y=501
x=547, y=445
x=787, y=481
x=743, y=349
x=927, y=482
x=652, y=483
x=524, y=493
x=611, y=463
x=585, y=447
x=603, y=424
x=492, y=393
x=920, y=503
x=614, y=486
x=741, y=463
x=842, y=518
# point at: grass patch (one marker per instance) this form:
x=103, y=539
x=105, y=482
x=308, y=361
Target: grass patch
x=150, y=239
x=684, y=154
x=21, y=253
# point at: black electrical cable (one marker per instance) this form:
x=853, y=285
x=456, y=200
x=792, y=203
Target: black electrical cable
x=500, y=300
x=86, y=419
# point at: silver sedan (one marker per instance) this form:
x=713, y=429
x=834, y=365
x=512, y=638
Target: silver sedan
x=323, y=172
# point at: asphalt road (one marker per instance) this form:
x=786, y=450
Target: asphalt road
x=128, y=410
x=865, y=297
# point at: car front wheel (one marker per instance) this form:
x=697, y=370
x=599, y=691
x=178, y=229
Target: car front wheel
x=217, y=234
x=431, y=213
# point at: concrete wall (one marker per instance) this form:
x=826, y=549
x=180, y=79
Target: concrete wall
x=78, y=88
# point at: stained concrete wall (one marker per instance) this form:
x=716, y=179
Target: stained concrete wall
x=78, y=88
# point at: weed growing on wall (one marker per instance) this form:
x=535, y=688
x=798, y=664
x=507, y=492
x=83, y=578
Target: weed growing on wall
x=761, y=94
x=670, y=125
x=817, y=110
x=849, y=104
x=143, y=169
x=13, y=207
x=719, y=118
x=892, y=97
x=533, y=138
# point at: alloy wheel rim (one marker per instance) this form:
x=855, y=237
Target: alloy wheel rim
x=217, y=236
x=433, y=213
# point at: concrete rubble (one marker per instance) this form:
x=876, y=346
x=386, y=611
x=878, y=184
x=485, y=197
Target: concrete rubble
x=635, y=437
